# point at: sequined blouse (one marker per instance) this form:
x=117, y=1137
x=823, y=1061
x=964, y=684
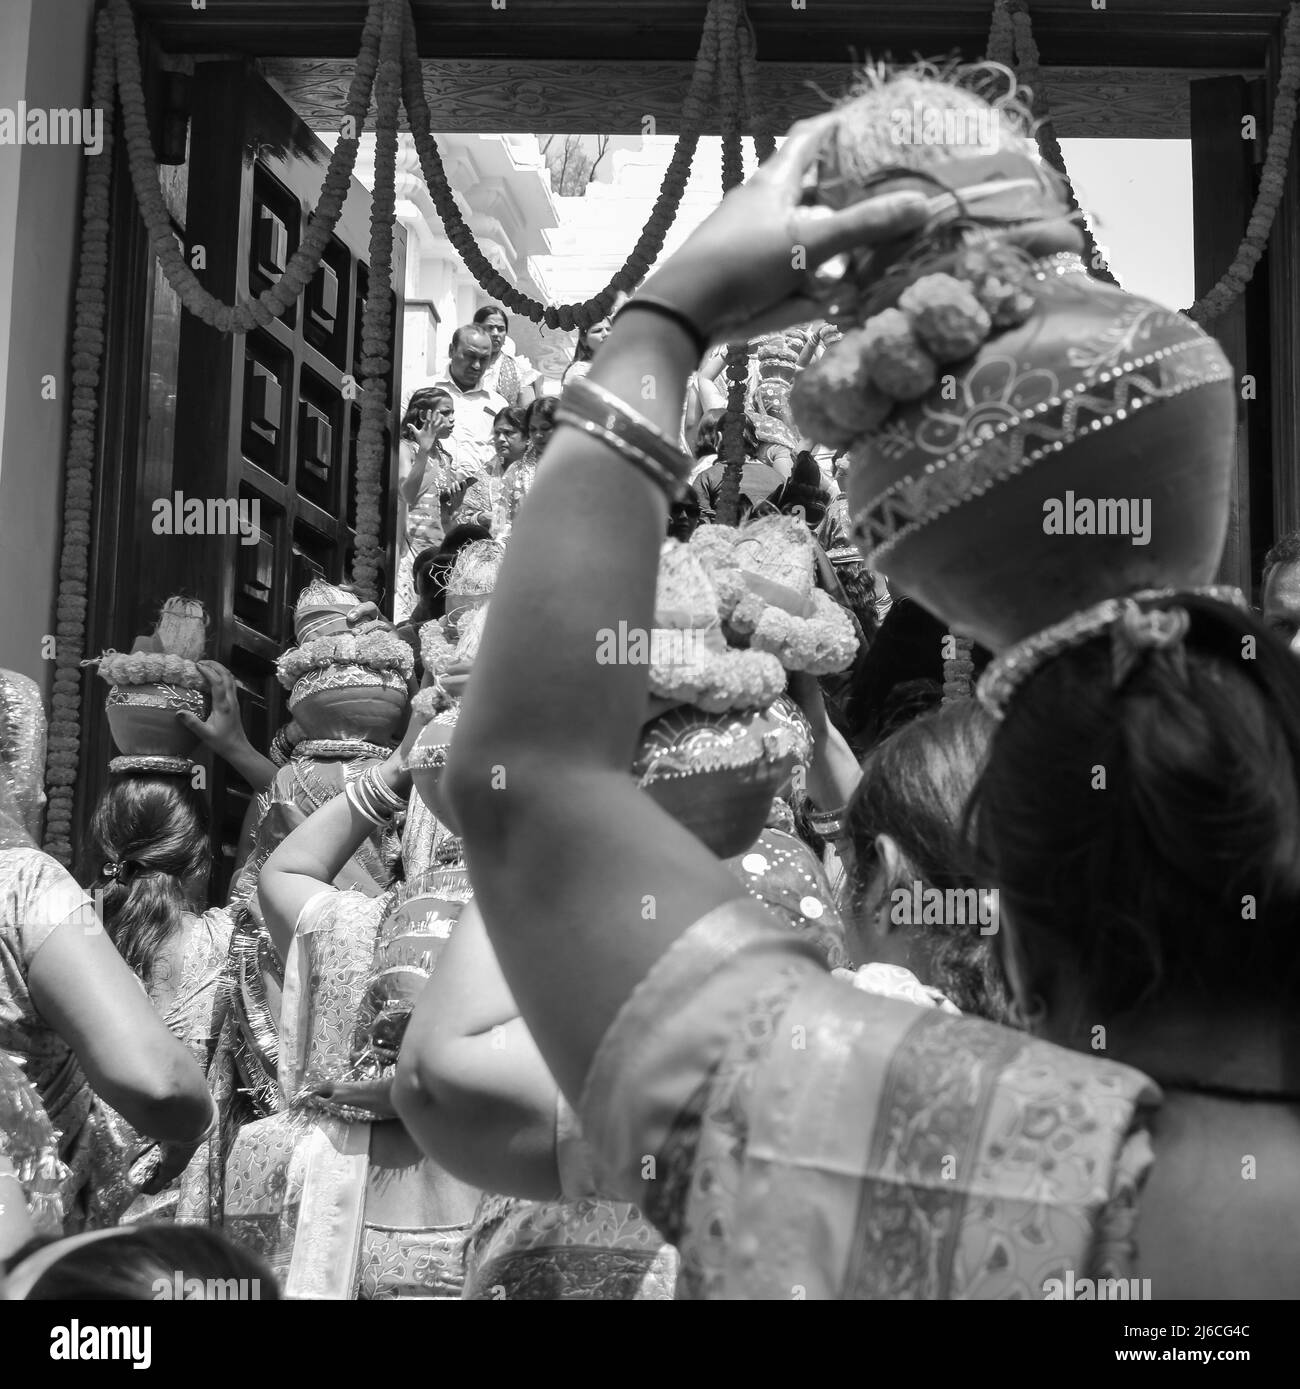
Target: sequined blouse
x=812, y=1140
x=36, y=896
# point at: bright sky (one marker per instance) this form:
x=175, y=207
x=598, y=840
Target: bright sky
x=1138, y=193
x=1141, y=194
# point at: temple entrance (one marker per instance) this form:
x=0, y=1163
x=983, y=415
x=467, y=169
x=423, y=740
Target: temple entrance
x=245, y=488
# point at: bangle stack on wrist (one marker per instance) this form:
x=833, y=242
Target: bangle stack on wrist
x=604, y=416
x=372, y=798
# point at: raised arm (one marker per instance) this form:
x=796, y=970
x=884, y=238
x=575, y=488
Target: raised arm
x=471, y=1086
x=223, y=729
x=89, y=996
x=311, y=856
x=583, y=881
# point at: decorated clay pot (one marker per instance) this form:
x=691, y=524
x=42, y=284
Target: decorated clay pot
x=142, y=719
x=350, y=701
x=1086, y=453
x=716, y=774
x=428, y=757
x=1084, y=449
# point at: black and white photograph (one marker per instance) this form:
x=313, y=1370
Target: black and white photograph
x=649, y=651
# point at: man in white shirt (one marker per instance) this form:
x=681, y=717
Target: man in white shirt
x=476, y=405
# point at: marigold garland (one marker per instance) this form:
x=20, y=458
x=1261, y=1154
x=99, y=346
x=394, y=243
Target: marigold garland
x=376, y=321
x=377, y=650
x=1011, y=36
x=64, y=739
x=1026, y=53
x=739, y=103
x=719, y=681
x=821, y=643
x=651, y=240
x=1272, y=184
x=305, y=261
x=150, y=668
x=733, y=172
x=389, y=58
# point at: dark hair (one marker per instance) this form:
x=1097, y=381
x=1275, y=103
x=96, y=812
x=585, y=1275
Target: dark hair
x=708, y=433
x=515, y=415
x=544, y=405
x=156, y=828
x=421, y=570
x=126, y=1266
x=902, y=670
x=1285, y=551
x=1147, y=839
x=804, y=492
x=482, y=315
x=583, y=351
x=465, y=328
x=423, y=399
x=748, y=435
x=858, y=584
x=432, y=566
x=914, y=789
x=684, y=515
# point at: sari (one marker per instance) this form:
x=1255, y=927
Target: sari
x=29, y=1143
x=479, y=505
x=301, y=1183
x=590, y=1245
x=508, y=375
x=250, y=1046
x=812, y=1140
x=197, y=1015
x=37, y=895
x=587, y=1247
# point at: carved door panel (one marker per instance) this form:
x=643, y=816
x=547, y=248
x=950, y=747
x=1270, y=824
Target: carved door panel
x=269, y=420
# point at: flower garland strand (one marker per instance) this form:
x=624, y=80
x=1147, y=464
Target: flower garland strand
x=651, y=240
x=731, y=85
x=64, y=746
x=1272, y=184
x=755, y=115
x=377, y=318
x=305, y=261
x=1014, y=23
x=1012, y=30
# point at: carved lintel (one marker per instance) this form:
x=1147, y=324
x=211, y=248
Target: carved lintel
x=616, y=98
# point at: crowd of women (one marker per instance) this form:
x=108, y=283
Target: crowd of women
x=772, y=957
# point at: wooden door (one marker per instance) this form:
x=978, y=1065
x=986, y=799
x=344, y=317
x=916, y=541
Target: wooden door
x=1225, y=178
x=268, y=420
